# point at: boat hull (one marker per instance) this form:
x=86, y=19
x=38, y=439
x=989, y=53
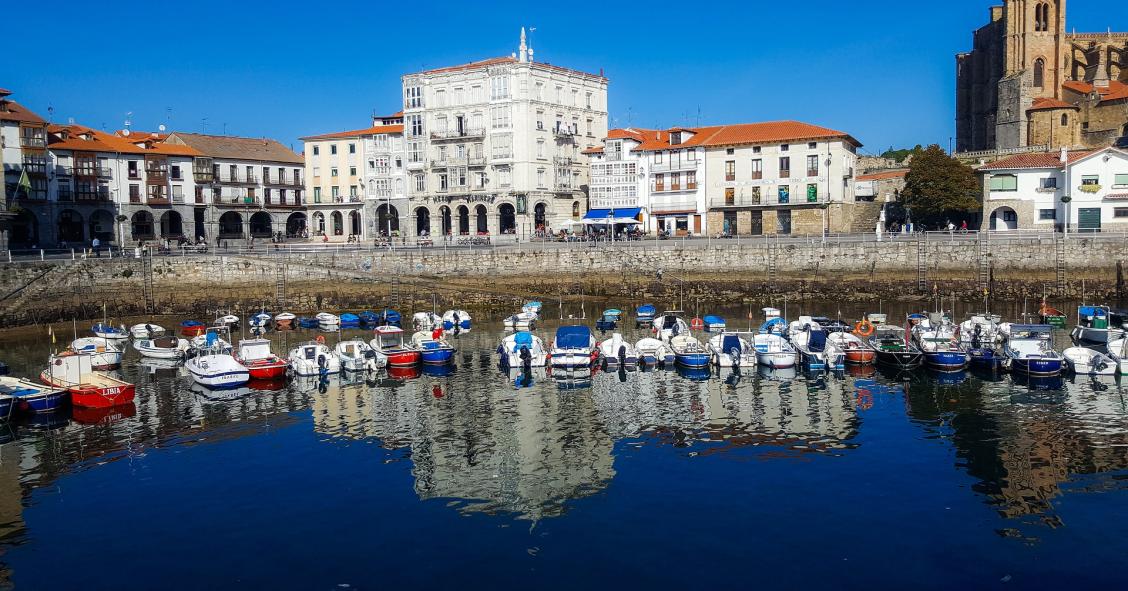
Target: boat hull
x=1036, y=367
x=984, y=358
x=7, y=403
x=265, y=370
x=780, y=360
x=572, y=360
x=692, y=360
x=193, y=330
x=95, y=396
x=403, y=358
x=441, y=356
x=946, y=361
x=1096, y=336
x=43, y=401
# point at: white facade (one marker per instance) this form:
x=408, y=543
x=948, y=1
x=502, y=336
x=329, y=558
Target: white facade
x=495, y=146
x=1026, y=194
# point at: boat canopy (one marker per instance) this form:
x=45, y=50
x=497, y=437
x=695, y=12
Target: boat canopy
x=816, y=342
x=731, y=342
x=646, y=310
x=771, y=324
x=618, y=214
x=252, y=349
x=523, y=339
x=1092, y=311
x=714, y=320
x=573, y=337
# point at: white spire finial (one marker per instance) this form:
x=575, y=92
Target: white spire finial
x=523, y=52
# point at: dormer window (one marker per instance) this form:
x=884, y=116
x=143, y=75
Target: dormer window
x=675, y=138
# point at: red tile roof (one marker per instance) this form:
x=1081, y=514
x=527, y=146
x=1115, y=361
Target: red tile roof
x=883, y=175
x=12, y=111
x=593, y=150
x=1115, y=91
x=1034, y=161
x=71, y=137
x=742, y=134
x=1045, y=104
x=356, y=133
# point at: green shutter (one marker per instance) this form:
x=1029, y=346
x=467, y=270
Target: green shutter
x=812, y=193
x=1121, y=180
x=1004, y=182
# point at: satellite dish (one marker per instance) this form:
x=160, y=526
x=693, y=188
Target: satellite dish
x=125, y=132
x=161, y=127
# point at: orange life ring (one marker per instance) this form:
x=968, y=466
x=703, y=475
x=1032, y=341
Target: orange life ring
x=320, y=340
x=864, y=328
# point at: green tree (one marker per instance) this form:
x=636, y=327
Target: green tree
x=900, y=155
x=939, y=188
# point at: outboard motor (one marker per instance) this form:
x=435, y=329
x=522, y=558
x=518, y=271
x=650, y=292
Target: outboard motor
x=976, y=337
x=735, y=354
x=322, y=365
x=526, y=358
x=622, y=355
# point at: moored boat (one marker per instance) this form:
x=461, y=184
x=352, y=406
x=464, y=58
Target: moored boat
x=313, y=359
x=214, y=366
x=327, y=320
x=732, y=349
x=146, y=331
x=88, y=388
x=456, y=322
x=852, y=345
x=573, y=347
x=1087, y=362
x=369, y=318
x=260, y=361
x=104, y=353
x=893, y=348
x=261, y=320
x=714, y=323
x=644, y=315
x=618, y=352
x=393, y=318
x=936, y=338
x=107, y=331
x=226, y=320
x=32, y=397
x=979, y=338
x=688, y=352
x=522, y=349
x=162, y=347
x=358, y=356
x=653, y=352
x=350, y=320
x=774, y=323
x=774, y=352
x=1118, y=351
x=669, y=325
x=433, y=349
x=284, y=320
x=389, y=341
x=192, y=328
x=426, y=320
x=7, y=403
x=1029, y=350
x=524, y=320
x=307, y=322
x=1098, y=325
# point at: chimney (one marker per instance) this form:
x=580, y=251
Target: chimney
x=1064, y=156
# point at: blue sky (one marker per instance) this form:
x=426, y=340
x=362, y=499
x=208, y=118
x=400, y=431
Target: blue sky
x=880, y=70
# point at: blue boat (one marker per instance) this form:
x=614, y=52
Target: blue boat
x=433, y=351
x=613, y=313
x=393, y=318
x=306, y=322
x=1029, y=350
x=644, y=314
x=606, y=323
x=349, y=320
x=369, y=318
x=108, y=331
x=456, y=321
x=7, y=403
x=688, y=352
x=714, y=324
x=32, y=397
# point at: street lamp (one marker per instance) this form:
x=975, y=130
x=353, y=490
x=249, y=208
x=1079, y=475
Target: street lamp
x=1066, y=199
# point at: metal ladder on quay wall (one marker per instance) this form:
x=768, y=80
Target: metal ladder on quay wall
x=147, y=277
x=394, y=291
x=771, y=267
x=280, y=286
x=1059, y=264
x=922, y=264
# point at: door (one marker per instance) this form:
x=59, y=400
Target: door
x=730, y=228
x=1089, y=219
x=697, y=225
x=783, y=221
x=757, y=223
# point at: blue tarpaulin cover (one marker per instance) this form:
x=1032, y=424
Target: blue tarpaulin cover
x=730, y=342
x=602, y=214
x=523, y=339
x=817, y=342
x=714, y=320
x=573, y=337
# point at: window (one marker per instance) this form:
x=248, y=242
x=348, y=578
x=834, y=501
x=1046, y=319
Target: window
x=540, y=178
x=730, y=170
x=659, y=182
x=134, y=172
x=352, y=171
x=730, y=196
x=757, y=169
x=1039, y=73
x=499, y=87
x=540, y=148
x=812, y=145
x=316, y=150
x=499, y=117
x=174, y=170
x=1049, y=182
x=317, y=194
x=352, y=148
x=691, y=155
x=413, y=97
x=1120, y=212
x=784, y=194
x=352, y=191
x=1064, y=120
x=1120, y=181
x=414, y=125
x=784, y=167
x=1047, y=214
x=440, y=98
x=420, y=183
x=657, y=158
x=730, y=151
x=812, y=165
x=444, y=182
x=316, y=171
x=415, y=151
x=691, y=180
x=333, y=149
x=333, y=172
x=504, y=176
x=756, y=149
x=588, y=103
x=784, y=147
x=755, y=195
x=335, y=191
x=1004, y=182
x=1090, y=181
x=502, y=146
x=1010, y=216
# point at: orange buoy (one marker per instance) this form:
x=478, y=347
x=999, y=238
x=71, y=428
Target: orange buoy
x=697, y=324
x=864, y=328
x=320, y=340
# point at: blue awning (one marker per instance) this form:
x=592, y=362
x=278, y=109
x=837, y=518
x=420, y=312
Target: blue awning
x=602, y=214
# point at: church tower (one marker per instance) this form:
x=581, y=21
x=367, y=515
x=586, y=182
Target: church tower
x=1036, y=44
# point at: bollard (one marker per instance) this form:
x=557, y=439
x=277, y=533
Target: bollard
x=72, y=254
x=42, y=255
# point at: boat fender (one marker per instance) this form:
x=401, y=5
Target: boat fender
x=864, y=329
x=320, y=339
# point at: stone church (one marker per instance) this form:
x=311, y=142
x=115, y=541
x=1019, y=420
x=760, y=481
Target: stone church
x=1030, y=82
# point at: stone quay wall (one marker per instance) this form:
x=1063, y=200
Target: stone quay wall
x=723, y=271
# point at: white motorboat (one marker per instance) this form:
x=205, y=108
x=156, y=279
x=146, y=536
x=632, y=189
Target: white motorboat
x=1029, y=349
x=1099, y=325
x=313, y=359
x=104, y=353
x=357, y=355
x=815, y=351
x=520, y=348
x=426, y=320
x=456, y=322
x=653, y=352
x=217, y=370
x=732, y=349
x=689, y=352
x=669, y=325
x=228, y=320
x=162, y=347
x=214, y=338
x=105, y=330
x=521, y=321
x=774, y=352
x=1087, y=362
x=146, y=331
x=618, y=352
x=1118, y=351
x=573, y=347
x=327, y=320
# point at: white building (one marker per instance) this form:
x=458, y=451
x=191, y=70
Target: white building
x=495, y=146
x=356, y=181
x=23, y=149
x=1042, y=191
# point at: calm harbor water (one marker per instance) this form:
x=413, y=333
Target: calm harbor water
x=658, y=478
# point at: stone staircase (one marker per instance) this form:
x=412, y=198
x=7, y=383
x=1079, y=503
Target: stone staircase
x=866, y=215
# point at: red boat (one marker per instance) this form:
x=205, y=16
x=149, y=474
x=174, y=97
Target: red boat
x=389, y=341
x=255, y=355
x=88, y=388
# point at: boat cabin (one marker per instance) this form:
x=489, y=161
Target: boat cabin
x=70, y=368
x=389, y=337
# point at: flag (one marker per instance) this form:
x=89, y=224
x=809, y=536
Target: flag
x=25, y=183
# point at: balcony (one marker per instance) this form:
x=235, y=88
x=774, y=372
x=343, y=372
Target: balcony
x=65, y=194
x=562, y=161
x=563, y=133
x=235, y=179
x=156, y=175
x=33, y=141
x=744, y=201
x=674, y=166
x=35, y=167
x=100, y=195
x=476, y=161
x=203, y=176
x=458, y=134
x=158, y=201
x=448, y=162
